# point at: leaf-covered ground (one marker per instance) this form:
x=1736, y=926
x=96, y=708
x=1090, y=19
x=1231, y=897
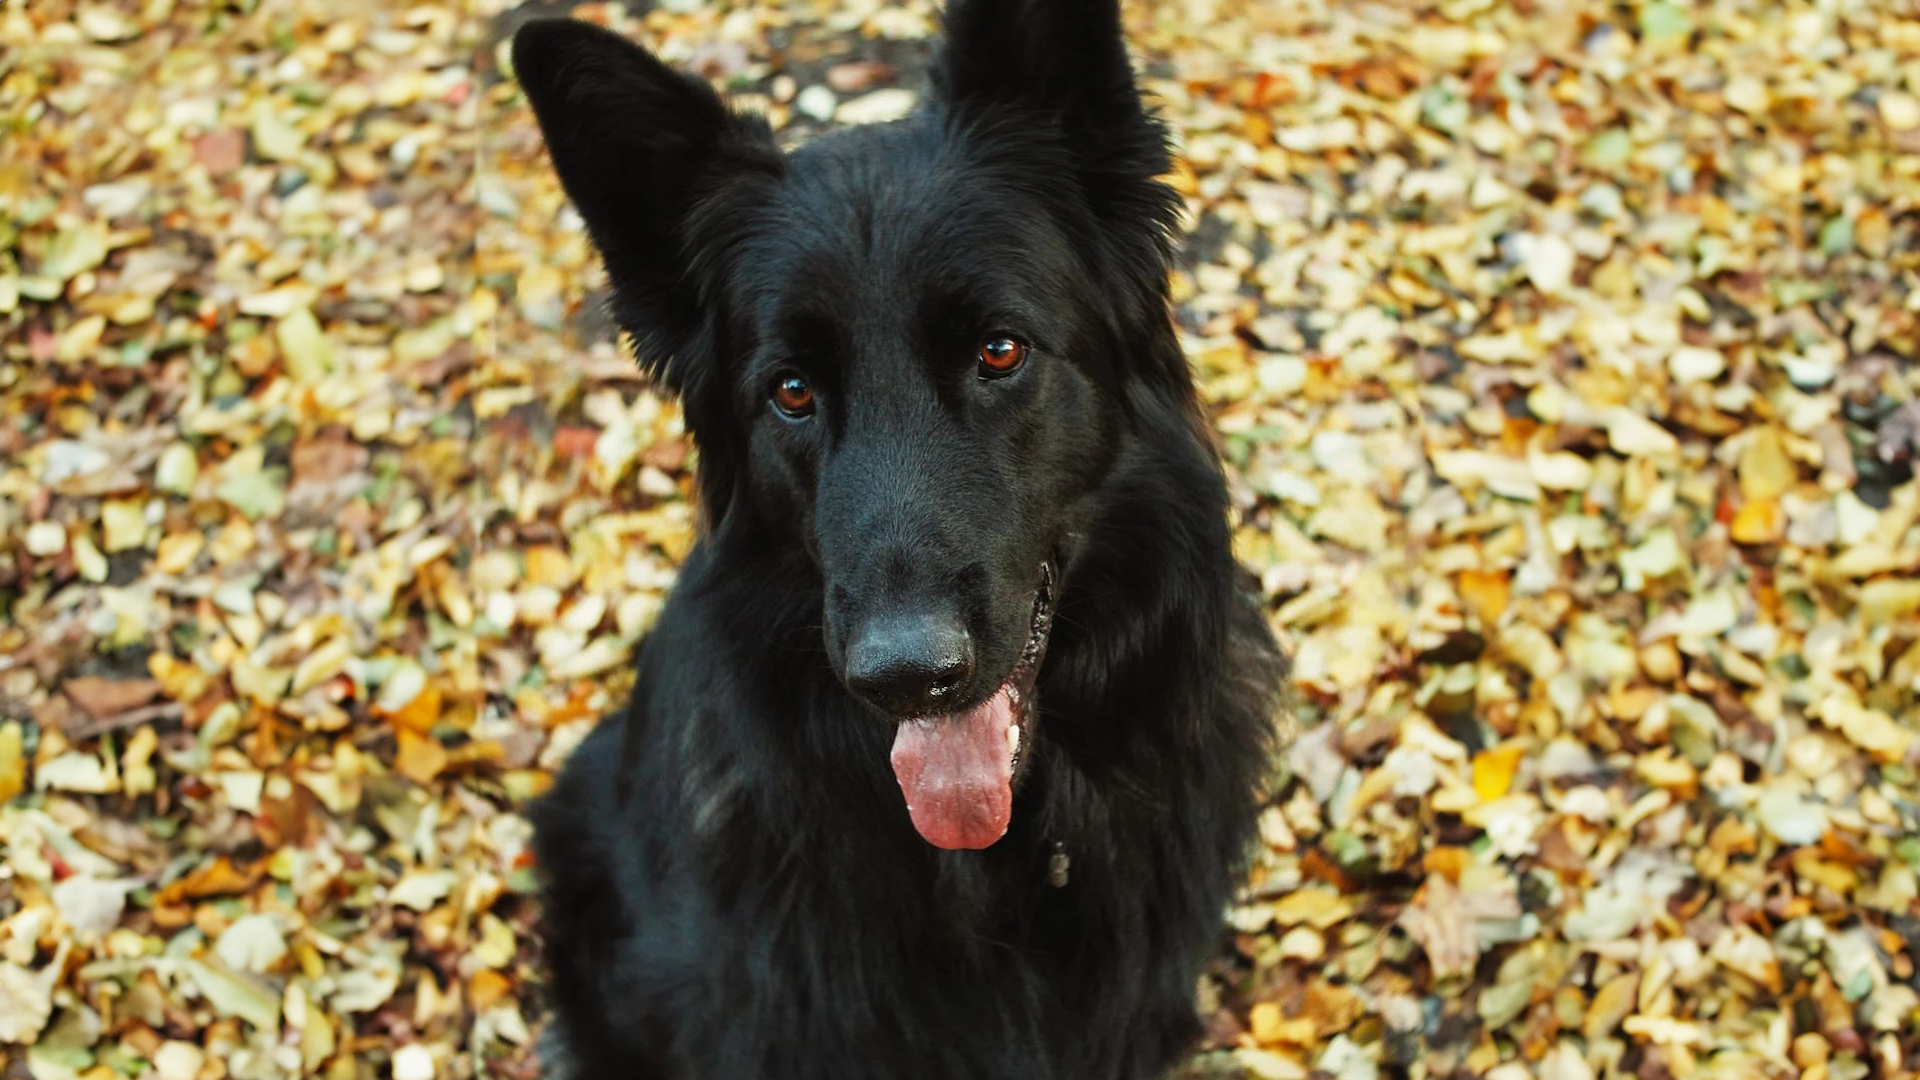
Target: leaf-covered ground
x=1567, y=354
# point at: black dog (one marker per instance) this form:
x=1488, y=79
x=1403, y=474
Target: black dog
x=948, y=744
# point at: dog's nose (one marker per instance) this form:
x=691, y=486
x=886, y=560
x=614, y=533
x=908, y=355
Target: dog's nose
x=910, y=665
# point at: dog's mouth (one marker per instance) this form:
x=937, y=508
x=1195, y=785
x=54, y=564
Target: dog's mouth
x=957, y=771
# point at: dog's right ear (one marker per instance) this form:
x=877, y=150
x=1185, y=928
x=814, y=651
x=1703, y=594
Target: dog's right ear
x=653, y=159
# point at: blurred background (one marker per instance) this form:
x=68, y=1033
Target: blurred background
x=1566, y=354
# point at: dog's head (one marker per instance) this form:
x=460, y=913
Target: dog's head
x=908, y=352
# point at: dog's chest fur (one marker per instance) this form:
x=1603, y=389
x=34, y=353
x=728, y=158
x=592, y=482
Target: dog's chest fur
x=798, y=959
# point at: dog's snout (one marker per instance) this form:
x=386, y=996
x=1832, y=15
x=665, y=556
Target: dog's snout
x=910, y=665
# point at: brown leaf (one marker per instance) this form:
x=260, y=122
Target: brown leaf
x=105, y=697
x=667, y=455
x=852, y=78
x=1447, y=861
x=1331, y=1007
x=1441, y=923
x=42, y=346
x=83, y=729
x=325, y=460
x=218, y=878
x=575, y=441
x=221, y=151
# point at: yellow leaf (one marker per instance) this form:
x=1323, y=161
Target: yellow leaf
x=421, y=757
x=1766, y=472
x=549, y=565
x=1486, y=592
x=487, y=988
x=419, y=715
x=13, y=762
x=1493, y=771
x=1264, y=1022
x=1759, y=522
x=177, y=552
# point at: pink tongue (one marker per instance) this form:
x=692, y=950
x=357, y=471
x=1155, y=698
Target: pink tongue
x=957, y=774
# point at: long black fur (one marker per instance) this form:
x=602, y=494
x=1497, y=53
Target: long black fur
x=733, y=887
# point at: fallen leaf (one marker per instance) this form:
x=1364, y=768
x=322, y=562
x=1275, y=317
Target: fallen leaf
x=26, y=997
x=221, y=151
x=92, y=906
x=1493, y=770
x=105, y=697
x=1759, y=522
x=421, y=890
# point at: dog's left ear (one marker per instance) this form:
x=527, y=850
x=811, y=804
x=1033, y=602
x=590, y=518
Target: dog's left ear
x=1062, y=62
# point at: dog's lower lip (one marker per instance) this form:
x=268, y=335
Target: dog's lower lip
x=1039, y=628
x=1026, y=671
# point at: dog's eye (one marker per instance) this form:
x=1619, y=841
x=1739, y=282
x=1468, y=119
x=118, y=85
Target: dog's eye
x=1001, y=356
x=792, y=396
